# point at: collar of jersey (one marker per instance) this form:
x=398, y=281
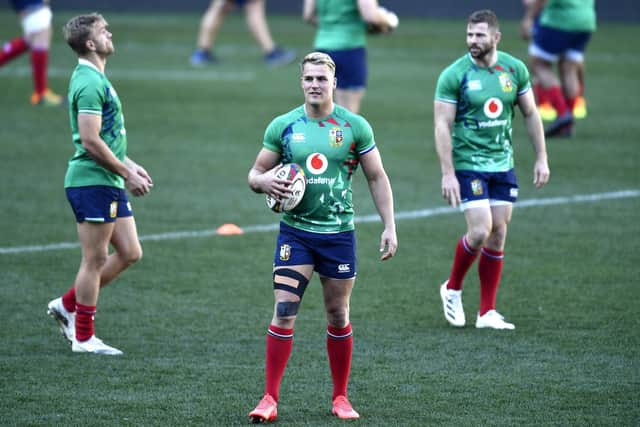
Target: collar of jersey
x=82, y=61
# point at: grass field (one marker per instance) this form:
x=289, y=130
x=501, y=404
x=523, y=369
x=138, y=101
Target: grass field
x=191, y=316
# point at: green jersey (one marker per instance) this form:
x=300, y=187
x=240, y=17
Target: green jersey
x=328, y=150
x=569, y=15
x=340, y=25
x=485, y=100
x=90, y=92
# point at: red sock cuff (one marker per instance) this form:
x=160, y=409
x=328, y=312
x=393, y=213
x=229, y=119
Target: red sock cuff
x=339, y=333
x=280, y=333
x=492, y=253
x=465, y=245
x=85, y=309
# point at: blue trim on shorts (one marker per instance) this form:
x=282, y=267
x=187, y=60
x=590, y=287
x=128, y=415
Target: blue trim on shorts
x=333, y=255
x=476, y=185
x=98, y=203
x=558, y=42
x=351, y=67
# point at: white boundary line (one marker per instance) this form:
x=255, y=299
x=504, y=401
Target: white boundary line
x=422, y=213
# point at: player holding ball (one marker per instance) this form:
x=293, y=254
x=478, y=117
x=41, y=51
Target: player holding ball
x=329, y=142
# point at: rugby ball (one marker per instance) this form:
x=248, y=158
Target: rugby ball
x=294, y=173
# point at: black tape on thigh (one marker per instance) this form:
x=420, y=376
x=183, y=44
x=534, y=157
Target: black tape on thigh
x=288, y=272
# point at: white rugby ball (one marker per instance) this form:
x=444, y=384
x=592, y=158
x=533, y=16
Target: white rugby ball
x=294, y=173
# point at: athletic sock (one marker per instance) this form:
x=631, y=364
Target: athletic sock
x=69, y=300
x=557, y=99
x=464, y=257
x=490, y=271
x=39, y=60
x=12, y=49
x=340, y=348
x=84, y=321
x=279, y=346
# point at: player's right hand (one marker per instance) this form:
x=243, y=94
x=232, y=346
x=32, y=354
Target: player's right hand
x=451, y=189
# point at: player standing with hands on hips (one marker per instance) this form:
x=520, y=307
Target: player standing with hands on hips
x=329, y=142
x=474, y=104
x=95, y=184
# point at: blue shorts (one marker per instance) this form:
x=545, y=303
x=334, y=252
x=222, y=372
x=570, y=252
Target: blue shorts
x=478, y=188
x=550, y=44
x=98, y=203
x=351, y=67
x=22, y=5
x=332, y=255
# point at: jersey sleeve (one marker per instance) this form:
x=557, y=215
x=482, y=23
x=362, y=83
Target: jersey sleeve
x=272, y=136
x=363, y=135
x=447, y=87
x=89, y=97
x=524, y=80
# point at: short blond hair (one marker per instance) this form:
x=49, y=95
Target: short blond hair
x=318, y=58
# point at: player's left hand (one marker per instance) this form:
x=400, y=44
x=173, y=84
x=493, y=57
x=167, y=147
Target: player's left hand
x=388, y=244
x=540, y=173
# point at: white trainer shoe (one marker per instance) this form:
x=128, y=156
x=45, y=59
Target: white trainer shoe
x=493, y=319
x=452, y=305
x=66, y=320
x=94, y=345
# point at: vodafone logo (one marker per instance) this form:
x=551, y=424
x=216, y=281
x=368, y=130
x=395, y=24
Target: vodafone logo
x=493, y=108
x=317, y=163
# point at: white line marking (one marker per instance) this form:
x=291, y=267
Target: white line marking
x=422, y=213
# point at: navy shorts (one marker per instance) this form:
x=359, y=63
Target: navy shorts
x=98, y=203
x=551, y=44
x=332, y=255
x=478, y=188
x=351, y=67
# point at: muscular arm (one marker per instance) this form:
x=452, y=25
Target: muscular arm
x=309, y=12
x=372, y=14
x=382, y=195
x=137, y=179
x=527, y=105
x=262, y=178
x=444, y=115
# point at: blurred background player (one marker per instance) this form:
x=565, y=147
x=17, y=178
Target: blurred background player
x=474, y=105
x=256, y=19
x=95, y=183
x=342, y=27
x=329, y=142
x=560, y=36
x=35, y=16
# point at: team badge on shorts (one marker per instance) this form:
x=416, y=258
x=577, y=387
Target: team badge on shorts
x=113, y=209
x=285, y=252
x=476, y=187
x=335, y=137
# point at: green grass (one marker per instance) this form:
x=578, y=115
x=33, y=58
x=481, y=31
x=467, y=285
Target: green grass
x=192, y=315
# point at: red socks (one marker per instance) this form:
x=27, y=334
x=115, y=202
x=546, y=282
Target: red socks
x=339, y=348
x=464, y=257
x=12, y=49
x=39, y=60
x=556, y=97
x=69, y=300
x=279, y=346
x=490, y=271
x=84, y=321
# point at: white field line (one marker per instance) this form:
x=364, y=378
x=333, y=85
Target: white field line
x=422, y=213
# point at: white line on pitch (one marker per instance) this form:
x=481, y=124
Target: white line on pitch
x=422, y=213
